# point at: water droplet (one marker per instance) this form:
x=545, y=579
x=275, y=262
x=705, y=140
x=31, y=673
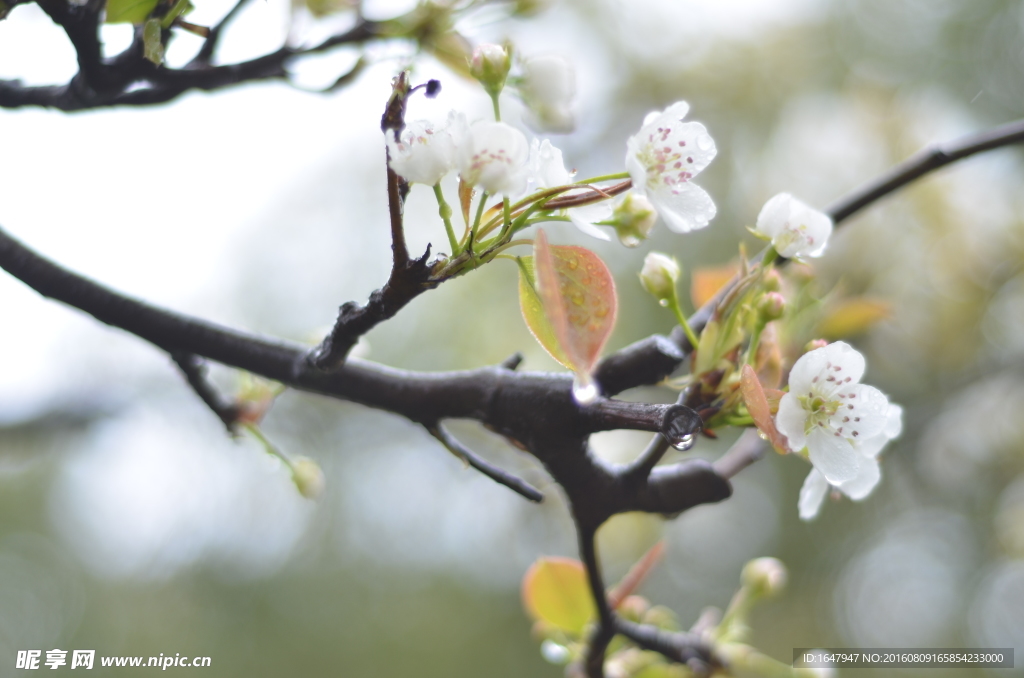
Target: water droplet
x=577, y=298
x=680, y=427
x=573, y=263
x=629, y=241
x=684, y=443
x=704, y=142
x=584, y=389
x=663, y=302
x=554, y=653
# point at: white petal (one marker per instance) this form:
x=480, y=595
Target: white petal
x=685, y=208
x=547, y=168
x=773, y=215
x=585, y=217
x=423, y=153
x=833, y=455
x=867, y=477
x=494, y=157
x=791, y=420
x=893, y=422
x=812, y=371
x=812, y=493
x=862, y=414
x=795, y=228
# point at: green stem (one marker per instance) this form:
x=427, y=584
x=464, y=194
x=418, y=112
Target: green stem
x=267, y=445
x=445, y=211
x=681, y=318
x=497, y=108
x=604, y=177
x=770, y=255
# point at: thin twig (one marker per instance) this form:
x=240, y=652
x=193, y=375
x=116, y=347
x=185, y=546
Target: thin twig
x=205, y=54
x=500, y=476
x=922, y=163
x=641, y=467
x=676, y=646
x=195, y=372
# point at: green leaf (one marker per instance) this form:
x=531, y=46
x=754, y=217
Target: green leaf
x=556, y=591
x=567, y=296
x=129, y=11
x=153, y=48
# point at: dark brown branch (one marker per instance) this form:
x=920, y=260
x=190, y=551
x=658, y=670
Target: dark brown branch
x=408, y=279
x=602, y=635
x=195, y=372
x=496, y=474
x=748, y=449
x=684, y=648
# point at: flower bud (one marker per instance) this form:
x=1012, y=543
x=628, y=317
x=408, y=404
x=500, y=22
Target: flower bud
x=634, y=218
x=634, y=608
x=764, y=576
x=771, y=306
x=659, y=275
x=490, y=65
x=815, y=344
x=773, y=281
x=308, y=477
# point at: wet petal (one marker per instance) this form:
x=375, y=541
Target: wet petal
x=833, y=455
x=685, y=208
x=867, y=477
x=791, y=420
x=812, y=493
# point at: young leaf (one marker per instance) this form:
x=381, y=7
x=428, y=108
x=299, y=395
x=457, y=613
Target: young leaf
x=556, y=591
x=757, y=404
x=129, y=11
x=567, y=296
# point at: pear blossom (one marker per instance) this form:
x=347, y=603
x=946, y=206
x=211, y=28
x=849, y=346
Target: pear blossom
x=493, y=155
x=547, y=170
x=424, y=152
x=547, y=86
x=836, y=418
x=795, y=229
x=816, y=486
x=661, y=160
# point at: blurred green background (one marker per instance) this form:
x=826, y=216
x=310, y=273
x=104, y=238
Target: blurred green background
x=130, y=525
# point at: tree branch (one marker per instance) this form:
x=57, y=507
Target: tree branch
x=496, y=474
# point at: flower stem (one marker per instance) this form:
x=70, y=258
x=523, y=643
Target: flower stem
x=445, y=211
x=770, y=255
x=681, y=318
x=497, y=108
x=603, y=177
x=267, y=445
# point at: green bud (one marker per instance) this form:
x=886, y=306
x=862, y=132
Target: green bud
x=771, y=306
x=659, y=275
x=764, y=577
x=633, y=219
x=153, y=49
x=773, y=281
x=490, y=65
x=308, y=477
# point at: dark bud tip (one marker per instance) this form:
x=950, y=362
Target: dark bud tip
x=433, y=88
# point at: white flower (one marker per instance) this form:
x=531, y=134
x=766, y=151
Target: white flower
x=795, y=229
x=831, y=414
x=493, y=155
x=547, y=86
x=662, y=158
x=547, y=170
x=815, y=487
x=424, y=153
